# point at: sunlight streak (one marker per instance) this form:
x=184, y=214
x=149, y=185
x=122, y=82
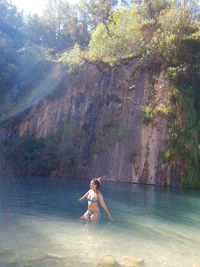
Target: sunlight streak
x=44, y=88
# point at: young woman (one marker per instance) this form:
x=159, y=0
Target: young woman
x=94, y=197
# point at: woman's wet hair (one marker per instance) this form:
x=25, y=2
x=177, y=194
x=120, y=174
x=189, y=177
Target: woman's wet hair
x=97, y=181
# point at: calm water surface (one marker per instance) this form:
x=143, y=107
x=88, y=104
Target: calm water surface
x=39, y=224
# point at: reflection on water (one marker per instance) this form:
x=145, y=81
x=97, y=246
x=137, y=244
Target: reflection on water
x=39, y=224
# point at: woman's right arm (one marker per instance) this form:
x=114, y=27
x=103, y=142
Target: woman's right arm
x=84, y=196
x=103, y=204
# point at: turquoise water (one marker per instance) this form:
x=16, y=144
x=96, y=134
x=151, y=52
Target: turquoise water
x=39, y=224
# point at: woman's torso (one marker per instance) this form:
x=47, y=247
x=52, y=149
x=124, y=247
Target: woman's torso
x=93, y=200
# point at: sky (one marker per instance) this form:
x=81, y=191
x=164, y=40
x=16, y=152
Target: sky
x=33, y=6
x=29, y=6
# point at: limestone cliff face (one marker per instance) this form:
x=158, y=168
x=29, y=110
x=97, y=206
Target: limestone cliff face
x=106, y=105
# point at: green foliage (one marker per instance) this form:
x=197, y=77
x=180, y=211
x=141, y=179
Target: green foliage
x=119, y=134
x=8, y=59
x=192, y=180
x=21, y=66
x=35, y=30
x=148, y=112
x=42, y=156
x=95, y=11
x=11, y=23
x=164, y=109
x=150, y=9
x=10, y=41
x=29, y=66
x=179, y=44
x=34, y=60
x=183, y=133
x=63, y=24
x=116, y=40
x=166, y=155
x=29, y=155
x=74, y=58
x=173, y=72
x=188, y=60
x=175, y=25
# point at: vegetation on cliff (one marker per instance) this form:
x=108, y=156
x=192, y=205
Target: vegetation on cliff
x=31, y=156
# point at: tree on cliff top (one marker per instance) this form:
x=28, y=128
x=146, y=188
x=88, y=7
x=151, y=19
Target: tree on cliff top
x=117, y=39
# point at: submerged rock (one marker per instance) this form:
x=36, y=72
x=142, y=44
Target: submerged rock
x=7, y=252
x=108, y=261
x=131, y=262
x=45, y=261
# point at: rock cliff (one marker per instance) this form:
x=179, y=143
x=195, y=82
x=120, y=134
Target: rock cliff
x=104, y=107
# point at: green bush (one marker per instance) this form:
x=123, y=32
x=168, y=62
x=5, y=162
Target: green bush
x=73, y=58
x=192, y=180
x=175, y=25
x=148, y=112
x=29, y=155
x=116, y=40
x=183, y=133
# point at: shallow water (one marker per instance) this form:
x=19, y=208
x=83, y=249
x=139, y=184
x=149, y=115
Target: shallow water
x=39, y=224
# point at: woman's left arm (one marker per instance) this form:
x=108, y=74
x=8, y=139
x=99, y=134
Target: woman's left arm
x=85, y=196
x=103, y=204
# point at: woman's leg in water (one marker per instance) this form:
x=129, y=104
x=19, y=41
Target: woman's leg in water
x=95, y=217
x=85, y=216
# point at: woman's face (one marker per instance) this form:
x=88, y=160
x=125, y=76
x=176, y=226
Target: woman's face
x=92, y=185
